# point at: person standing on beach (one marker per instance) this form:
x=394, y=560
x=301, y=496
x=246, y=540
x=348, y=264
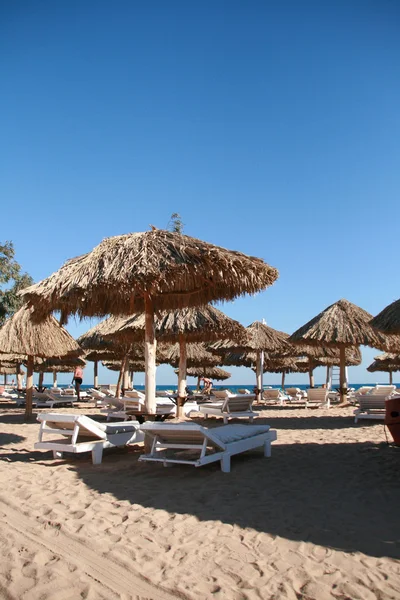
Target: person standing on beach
x=78, y=378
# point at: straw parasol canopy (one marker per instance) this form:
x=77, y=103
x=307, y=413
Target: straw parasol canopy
x=194, y=324
x=196, y=353
x=149, y=271
x=388, y=320
x=210, y=372
x=100, y=347
x=260, y=339
x=342, y=324
x=386, y=362
x=23, y=335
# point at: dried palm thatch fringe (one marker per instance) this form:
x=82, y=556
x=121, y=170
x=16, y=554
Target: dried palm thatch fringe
x=115, y=365
x=198, y=324
x=341, y=324
x=197, y=355
x=9, y=369
x=211, y=372
x=62, y=365
x=175, y=270
x=23, y=335
x=388, y=320
x=259, y=337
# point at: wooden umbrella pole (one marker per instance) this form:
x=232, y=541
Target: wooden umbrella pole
x=131, y=380
x=198, y=384
x=343, y=382
x=125, y=378
x=40, y=382
x=283, y=380
x=327, y=380
x=96, y=373
x=19, y=377
x=54, y=378
x=181, y=376
x=29, y=388
x=311, y=372
x=150, y=356
x=259, y=377
x=390, y=377
x=120, y=376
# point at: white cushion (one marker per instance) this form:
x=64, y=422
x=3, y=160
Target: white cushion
x=234, y=433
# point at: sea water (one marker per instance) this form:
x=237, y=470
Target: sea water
x=234, y=388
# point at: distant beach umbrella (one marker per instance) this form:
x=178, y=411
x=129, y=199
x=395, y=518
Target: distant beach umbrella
x=151, y=271
x=194, y=324
x=207, y=372
x=388, y=320
x=260, y=339
x=101, y=344
x=388, y=363
x=23, y=335
x=56, y=365
x=341, y=325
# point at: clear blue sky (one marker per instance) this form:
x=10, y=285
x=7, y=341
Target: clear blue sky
x=272, y=127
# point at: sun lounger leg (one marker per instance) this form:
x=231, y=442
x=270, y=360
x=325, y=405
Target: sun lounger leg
x=57, y=454
x=225, y=420
x=251, y=419
x=226, y=463
x=267, y=449
x=97, y=455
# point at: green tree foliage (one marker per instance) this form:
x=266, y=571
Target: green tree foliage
x=175, y=223
x=11, y=282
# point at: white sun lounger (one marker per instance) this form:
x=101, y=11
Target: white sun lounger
x=371, y=406
x=318, y=396
x=231, y=408
x=275, y=395
x=86, y=435
x=49, y=400
x=217, y=444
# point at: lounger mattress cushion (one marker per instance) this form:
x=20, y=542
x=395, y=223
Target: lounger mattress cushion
x=122, y=427
x=234, y=433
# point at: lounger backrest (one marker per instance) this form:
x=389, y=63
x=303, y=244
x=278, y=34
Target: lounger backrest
x=292, y=391
x=271, y=394
x=244, y=391
x=182, y=434
x=238, y=404
x=383, y=390
x=87, y=426
x=68, y=392
x=222, y=394
x=365, y=389
x=369, y=401
x=135, y=394
x=317, y=394
x=97, y=394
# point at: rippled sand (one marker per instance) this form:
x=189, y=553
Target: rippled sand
x=317, y=521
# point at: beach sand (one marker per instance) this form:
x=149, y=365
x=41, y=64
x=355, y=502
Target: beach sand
x=319, y=520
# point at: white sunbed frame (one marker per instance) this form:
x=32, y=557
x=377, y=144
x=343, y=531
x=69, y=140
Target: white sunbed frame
x=231, y=408
x=74, y=426
x=318, y=396
x=190, y=436
x=371, y=406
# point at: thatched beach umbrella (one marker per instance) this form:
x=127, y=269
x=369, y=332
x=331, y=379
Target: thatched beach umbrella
x=387, y=363
x=24, y=336
x=195, y=324
x=101, y=344
x=341, y=325
x=260, y=339
x=208, y=372
x=56, y=365
x=150, y=271
x=388, y=320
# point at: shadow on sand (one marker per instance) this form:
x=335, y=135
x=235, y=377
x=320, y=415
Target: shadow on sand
x=10, y=438
x=343, y=496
